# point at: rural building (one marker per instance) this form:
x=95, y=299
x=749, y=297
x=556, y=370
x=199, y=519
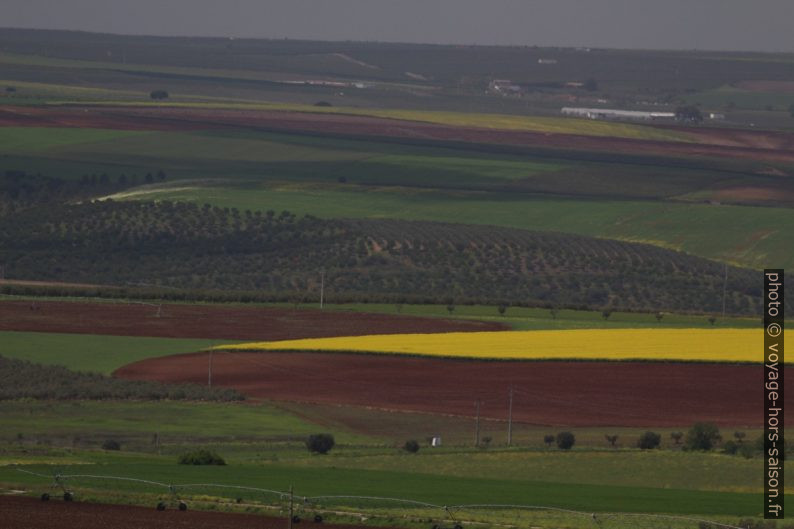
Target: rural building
x=547, y=61
x=612, y=113
x=504, y=86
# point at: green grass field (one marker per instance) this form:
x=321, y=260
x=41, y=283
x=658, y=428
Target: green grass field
x=177, y=423
x=88, y=352
x=438, y=489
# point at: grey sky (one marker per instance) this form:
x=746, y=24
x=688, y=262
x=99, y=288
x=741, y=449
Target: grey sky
x=680, y=24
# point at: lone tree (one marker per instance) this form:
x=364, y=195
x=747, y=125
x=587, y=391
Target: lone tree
x=158, y=94
x=553, y=311
x=548, y=439
x=702, y=436
x=676, y=437
x=659, y=317
x=649, y=440
x=565, y=440
x=712, y=320
x=411, y=446
x=320, y=443
x=606, y=313
x=739, y=436
x=502, y=308
x=611, y=439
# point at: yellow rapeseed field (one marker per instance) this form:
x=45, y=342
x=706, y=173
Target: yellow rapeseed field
x=701, y=345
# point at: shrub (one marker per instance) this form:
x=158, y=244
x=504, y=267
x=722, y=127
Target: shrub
x=111, y=444
x=565, y=440
x=201, y=457
x=320, y=443
x=548, y=439
x=649, y=440
x=411, y=446
x=730, y=448
x=747, y=451
x=702, y=436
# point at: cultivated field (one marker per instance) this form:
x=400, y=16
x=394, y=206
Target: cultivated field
x=670, y=345
x=208, y=321
x=555, y=393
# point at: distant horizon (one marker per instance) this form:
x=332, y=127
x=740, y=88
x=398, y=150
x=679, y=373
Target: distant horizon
x=395, y=42
x=673, y=25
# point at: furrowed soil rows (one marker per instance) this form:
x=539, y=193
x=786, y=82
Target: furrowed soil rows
x=30, y=513
x=214, y=321
x=546, y=393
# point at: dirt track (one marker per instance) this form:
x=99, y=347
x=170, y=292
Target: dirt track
x=712, y=143
x=214, y=321
x=31, y=513
x=547, y=393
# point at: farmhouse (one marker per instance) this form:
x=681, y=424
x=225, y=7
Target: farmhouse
x=503, y=86
x=611, y=113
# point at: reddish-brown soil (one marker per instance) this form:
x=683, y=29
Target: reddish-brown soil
x=547, y=393
x=766, y=86
x=714, y=143
x=31, y=513
x=229, y=322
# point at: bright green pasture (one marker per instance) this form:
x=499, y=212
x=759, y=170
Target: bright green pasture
x=43, y=140
x=428, y=487
x=175, y=422
x=664, y=469
x=187, y=420
x=89, y=352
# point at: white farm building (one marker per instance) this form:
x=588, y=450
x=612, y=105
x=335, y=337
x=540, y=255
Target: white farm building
x=611, y=113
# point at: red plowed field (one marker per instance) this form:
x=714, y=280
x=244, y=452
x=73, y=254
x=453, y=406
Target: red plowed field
x=214, y=321
x=713, y=143
x=31, y=513
x=549, y=393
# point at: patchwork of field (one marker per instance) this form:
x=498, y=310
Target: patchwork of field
x=551, y=133
x=382, y=131
x=552, y=393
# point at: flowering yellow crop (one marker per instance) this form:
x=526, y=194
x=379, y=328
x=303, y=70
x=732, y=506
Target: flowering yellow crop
x=701, y=345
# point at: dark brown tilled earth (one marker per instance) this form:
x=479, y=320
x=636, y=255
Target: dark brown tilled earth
x=631, y=394
x=230, y=322
x=31, y=513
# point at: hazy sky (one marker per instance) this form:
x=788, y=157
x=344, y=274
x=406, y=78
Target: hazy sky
x=681, y=24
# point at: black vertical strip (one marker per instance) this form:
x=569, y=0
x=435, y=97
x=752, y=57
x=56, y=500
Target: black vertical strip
x=774, y=442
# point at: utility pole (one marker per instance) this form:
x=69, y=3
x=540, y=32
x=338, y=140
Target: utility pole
x=209, y=371
x=322, y=287
x=510, y=418
x=477, y=427
x=291, y=496
x=724, y=290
